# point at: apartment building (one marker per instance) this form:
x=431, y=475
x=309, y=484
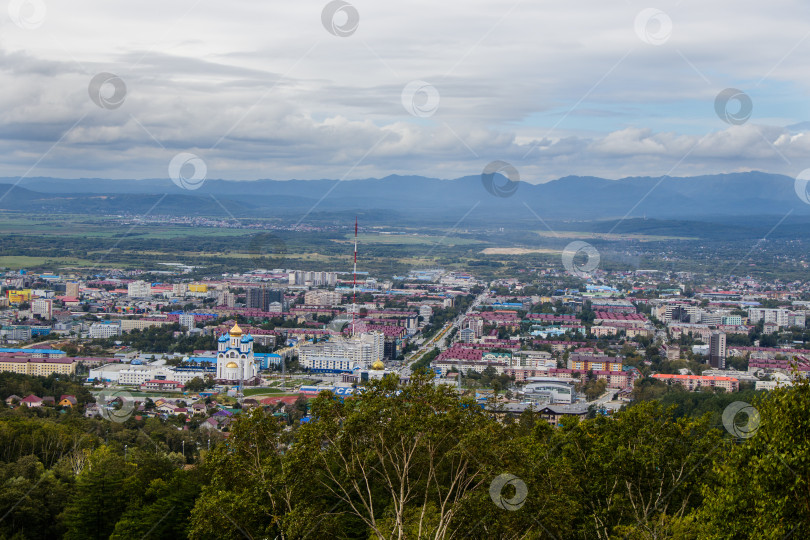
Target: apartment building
x=694, y=383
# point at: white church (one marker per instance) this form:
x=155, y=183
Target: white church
x=235, y=362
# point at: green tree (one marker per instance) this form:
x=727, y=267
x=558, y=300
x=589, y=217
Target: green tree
x=197, y=384
x=398, y=460
x=637, y=472
x=101, y=496
x=762, y=478
x=249, y=493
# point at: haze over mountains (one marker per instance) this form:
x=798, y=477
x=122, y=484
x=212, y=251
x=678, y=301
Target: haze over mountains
x=569, y=198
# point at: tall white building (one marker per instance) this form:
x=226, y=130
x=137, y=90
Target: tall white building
x=187, y=320
x=226, y=298
x=313, y=279
x=180, y=289
x=775, y=316
x=322, y=298
x=235, y=362
x=42, y=307
x=139, y=289
x=343, y=354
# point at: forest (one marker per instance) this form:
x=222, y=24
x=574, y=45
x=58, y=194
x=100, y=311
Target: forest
x=416, y=461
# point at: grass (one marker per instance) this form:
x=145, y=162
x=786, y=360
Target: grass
x=16, y=262
x=412, y=239
x=579, y=235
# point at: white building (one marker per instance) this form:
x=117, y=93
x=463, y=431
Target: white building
x=312, y=279
x=139, y=289
x=466, y=335
x=331, y=364
x=42, y=307
x=775, y=316
x=550, y=389
x=534, y=359
x=322, y=298
x=361, y=351
x=187, y=320
x=179, y=289
x=226, y=298
x=103, y=330
x=137, y=374
x=797, y=319
x=235, y=362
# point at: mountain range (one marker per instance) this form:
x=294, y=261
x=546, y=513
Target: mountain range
x=573, y=198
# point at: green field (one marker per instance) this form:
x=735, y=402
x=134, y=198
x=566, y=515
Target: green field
x=16, y=262
x=619, y=237
x=412, y=239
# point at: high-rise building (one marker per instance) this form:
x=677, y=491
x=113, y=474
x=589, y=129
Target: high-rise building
x=225, y=298
x=776, y=316
x=313, y=279
x=72, y=289
x=139, y=289
x=717, y=350
x=322, y=298
x=180, y=289
x=42, y=307
x=343, y=354
x=261, y=297
x=187, y=320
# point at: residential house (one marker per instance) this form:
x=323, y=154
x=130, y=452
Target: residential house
x=67, y=401
x=31, y=401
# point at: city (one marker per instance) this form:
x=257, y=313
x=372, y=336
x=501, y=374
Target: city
x=565, y=342
x=355, y=270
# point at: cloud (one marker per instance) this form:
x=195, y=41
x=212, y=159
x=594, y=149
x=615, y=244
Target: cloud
x=262, y=90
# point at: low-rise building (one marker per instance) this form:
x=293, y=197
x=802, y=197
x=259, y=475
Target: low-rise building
x=694, y=383
x=41, y=367
x=104, y=330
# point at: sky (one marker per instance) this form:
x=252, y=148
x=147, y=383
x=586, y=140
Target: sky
x=313, y=89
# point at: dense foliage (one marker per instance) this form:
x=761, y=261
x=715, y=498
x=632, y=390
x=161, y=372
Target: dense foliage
x=415, y=461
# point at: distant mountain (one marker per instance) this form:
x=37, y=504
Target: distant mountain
x=570, y=198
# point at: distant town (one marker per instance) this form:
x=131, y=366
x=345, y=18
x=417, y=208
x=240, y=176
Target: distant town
x=267, y=336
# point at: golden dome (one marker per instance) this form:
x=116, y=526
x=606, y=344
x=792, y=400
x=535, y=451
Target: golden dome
x=235, y=331
x=377, y=366
x=231, y=365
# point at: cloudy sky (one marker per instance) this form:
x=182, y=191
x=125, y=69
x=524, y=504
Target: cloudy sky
x=311, y=89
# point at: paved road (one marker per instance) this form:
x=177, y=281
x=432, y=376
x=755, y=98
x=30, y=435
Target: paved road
x=440, y=339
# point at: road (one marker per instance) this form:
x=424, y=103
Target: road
x=440, y=339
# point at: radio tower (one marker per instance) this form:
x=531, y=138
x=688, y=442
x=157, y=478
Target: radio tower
x=354, y=276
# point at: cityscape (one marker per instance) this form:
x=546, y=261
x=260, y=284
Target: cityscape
x=260, y=279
